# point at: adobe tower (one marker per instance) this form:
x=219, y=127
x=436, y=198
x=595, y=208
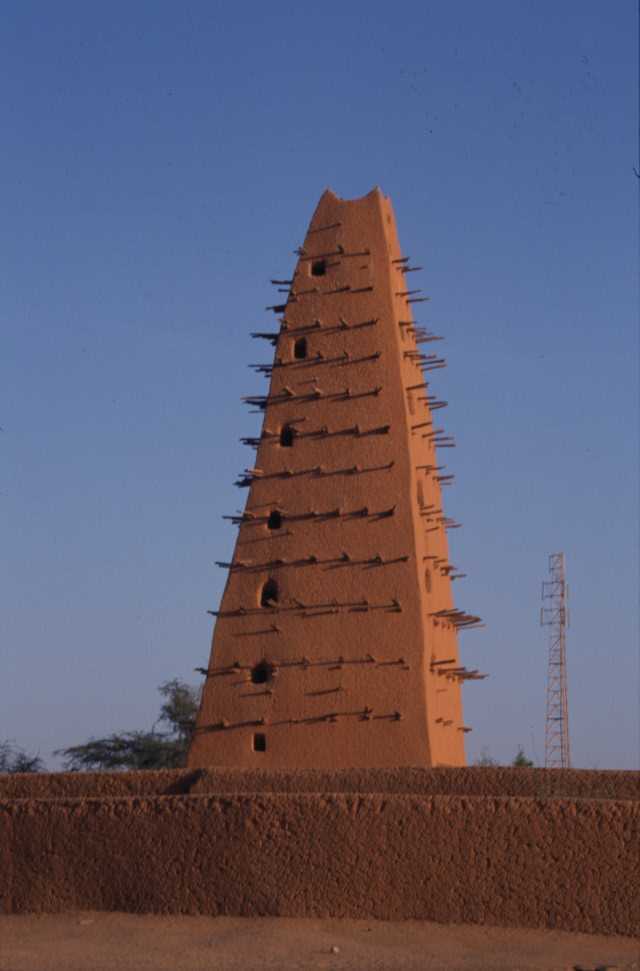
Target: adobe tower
x=335, y=645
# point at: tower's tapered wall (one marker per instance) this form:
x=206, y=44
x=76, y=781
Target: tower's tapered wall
x=335, y=643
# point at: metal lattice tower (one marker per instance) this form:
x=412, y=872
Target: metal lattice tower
x=555, y=616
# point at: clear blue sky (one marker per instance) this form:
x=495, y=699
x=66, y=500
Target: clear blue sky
x=159, y=162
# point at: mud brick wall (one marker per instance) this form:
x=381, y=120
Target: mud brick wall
x=570, y=864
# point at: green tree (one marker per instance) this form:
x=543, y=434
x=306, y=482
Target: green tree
x=13, y=759
x=521, y=761
x=484, y=759
x=165, y=749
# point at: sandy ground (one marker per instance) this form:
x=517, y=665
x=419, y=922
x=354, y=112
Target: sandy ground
x=124, y=942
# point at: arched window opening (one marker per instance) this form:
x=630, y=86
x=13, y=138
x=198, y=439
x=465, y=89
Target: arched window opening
x=275, y=520
x=287, y=435
x=318, y=267
x=300, y=349
x=262, y=672
x=269, y=593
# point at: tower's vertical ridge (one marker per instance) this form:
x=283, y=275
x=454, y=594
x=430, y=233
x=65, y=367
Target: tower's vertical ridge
x=335, y=642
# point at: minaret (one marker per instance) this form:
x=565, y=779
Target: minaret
x=335, y=644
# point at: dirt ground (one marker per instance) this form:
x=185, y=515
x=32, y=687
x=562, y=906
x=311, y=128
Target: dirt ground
x=125, y=942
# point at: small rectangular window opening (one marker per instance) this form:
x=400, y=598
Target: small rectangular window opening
x=259, y=742
x=318, y=267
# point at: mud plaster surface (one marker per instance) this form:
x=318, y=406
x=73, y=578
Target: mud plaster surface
x=106, y=942
x=360, y=633
x=512, y=860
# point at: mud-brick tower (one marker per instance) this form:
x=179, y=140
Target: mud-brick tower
x=335, y=644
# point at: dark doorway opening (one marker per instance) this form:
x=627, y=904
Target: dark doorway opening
x=318, y=268
x=275, y=520
x=300, y=349
x=269, y=594
x=287, y=435
x=262, y=672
